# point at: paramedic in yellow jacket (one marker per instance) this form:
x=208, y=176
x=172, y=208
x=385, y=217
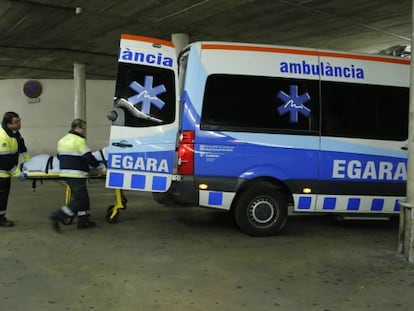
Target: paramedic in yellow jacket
x=11, y=145
x=75, y=159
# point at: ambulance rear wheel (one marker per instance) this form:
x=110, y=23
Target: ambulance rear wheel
x=261, y=210
x=108, y=215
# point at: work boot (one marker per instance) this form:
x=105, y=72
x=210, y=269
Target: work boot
x=85, y=223
x=56, y=218
x=4, y=222
x=55, y=222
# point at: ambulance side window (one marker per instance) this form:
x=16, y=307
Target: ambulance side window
x=261, y=104
x=364, y=111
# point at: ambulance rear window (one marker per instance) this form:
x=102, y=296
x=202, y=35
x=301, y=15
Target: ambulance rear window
x=151, y=90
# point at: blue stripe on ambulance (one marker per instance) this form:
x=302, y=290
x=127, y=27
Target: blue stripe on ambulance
x=216, y=199
x=153, y=182
x=316, y=203
x=346, y=203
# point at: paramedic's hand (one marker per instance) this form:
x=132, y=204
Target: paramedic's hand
x=25, y=157
x=22, y=176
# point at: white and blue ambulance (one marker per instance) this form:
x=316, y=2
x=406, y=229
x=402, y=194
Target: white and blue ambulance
x=253, y=129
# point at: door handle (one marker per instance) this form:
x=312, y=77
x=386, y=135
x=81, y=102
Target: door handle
x=122, y=145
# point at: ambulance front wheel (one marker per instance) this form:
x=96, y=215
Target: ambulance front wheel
x=109, y=215
x=261, y=210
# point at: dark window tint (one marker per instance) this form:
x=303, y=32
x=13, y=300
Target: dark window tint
x=260, y=104
x=364, y=111
x=158, y=92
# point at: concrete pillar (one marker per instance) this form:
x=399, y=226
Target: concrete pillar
x=180, y=41
x=406, y=229
x=406, y=232
x=80, y=91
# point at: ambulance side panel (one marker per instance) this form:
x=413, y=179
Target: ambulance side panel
x=323, y=170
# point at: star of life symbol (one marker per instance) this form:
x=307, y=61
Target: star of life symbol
x=293, y=104
x=147, y=94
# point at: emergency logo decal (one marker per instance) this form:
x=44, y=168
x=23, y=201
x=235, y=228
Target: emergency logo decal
x=293, y=104
x=147, y=94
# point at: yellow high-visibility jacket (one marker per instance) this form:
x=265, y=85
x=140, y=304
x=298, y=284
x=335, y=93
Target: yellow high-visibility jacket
x=9, y=155
x=74, y=156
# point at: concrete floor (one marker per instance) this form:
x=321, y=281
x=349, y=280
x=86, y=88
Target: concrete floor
x=159, y=258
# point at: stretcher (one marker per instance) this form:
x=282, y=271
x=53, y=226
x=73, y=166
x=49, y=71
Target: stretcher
x=43, y=167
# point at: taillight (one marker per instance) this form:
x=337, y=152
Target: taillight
x=186, y=153
x=187, y=137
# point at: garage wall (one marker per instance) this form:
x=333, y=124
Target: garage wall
x=46, y=119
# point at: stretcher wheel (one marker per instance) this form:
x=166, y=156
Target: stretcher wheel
x=109, y=212
x=67, y=221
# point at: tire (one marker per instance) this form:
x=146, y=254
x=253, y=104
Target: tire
x=261, y=210
x=162, y=198
x=67, y=221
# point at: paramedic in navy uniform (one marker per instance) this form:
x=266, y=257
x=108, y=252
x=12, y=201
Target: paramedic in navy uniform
x=75, y=159
x=11, y=145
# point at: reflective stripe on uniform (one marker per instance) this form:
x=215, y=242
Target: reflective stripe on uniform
x=6, y=152
x=13, y=172
x=67, y=211
x=69, y=153
x=74, y=153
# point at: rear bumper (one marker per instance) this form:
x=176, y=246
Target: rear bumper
x=186, y=191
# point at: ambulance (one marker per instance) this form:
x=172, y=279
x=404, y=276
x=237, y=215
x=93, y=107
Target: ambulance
x=260, y=130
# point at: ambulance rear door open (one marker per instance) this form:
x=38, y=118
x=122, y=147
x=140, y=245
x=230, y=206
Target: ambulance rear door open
x=144, y=118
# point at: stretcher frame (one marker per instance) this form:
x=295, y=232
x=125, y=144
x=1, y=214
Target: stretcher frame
x=113, y=211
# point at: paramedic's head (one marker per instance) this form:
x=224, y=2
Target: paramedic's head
x=78, y=126
x=11, y=120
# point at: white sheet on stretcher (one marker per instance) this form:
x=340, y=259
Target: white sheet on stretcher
x=47, y=166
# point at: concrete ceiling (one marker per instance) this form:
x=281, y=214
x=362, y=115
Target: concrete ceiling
x=43, y=38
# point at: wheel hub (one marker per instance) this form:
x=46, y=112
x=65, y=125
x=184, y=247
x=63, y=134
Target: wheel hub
x=262, y=211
